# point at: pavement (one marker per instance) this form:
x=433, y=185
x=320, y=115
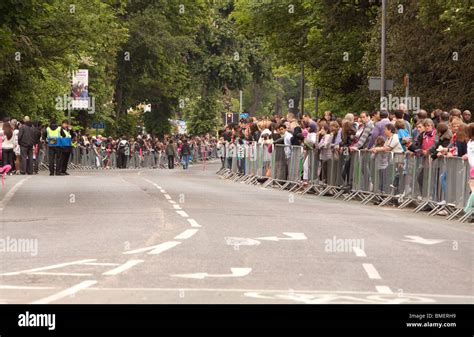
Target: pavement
x=188, y=236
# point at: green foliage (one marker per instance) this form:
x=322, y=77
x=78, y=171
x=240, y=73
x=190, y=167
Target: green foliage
x=156, y=121
x=204, y=118
x=202, y=53
x=422, y=41
x=42, y=41
x=125, y=125
x=317, y=34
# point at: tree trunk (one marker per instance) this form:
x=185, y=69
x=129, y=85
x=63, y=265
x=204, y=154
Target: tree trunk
x=256, y=98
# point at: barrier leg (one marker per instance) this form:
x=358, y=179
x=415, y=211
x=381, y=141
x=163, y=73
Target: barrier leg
x=465, y=217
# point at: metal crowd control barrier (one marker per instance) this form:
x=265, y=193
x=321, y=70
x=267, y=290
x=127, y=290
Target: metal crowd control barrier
x=286, y=166
x=89, y=158
x=399, y=179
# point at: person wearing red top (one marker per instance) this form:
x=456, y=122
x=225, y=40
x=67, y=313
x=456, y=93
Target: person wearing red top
x=429, y=136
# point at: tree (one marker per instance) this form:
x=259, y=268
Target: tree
x=326, y=36
x=152, y=66
x=43, y=41
x=432, y=41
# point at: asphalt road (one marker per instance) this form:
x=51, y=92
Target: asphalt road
x=175, y=236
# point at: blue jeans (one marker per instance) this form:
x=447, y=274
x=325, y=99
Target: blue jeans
x=443, y=177
x=185, y=162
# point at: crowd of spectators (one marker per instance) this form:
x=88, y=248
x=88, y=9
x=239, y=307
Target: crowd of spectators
x=24, y=146
x=424, y=134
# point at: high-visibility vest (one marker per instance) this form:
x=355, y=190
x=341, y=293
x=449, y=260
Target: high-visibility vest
x=53, y=137
x=66, y=141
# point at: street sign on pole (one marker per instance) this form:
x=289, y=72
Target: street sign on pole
x=406, y=83
x=99, y=125
x=229, y=118
x=302, y=91
x=375, y=84
x=240, y=96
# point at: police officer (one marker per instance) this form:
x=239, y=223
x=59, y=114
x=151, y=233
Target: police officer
x=66, y=146
x=53, y=137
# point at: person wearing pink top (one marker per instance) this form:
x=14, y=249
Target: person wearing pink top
x=429, y=136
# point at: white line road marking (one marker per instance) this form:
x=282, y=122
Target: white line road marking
x=148, y=180
x=193, y=223
x=186, y=234
x=123, y=267
x=384, y=289
x=66, y=292
x=172, y=201
x=235, y=272
x=177, y=206
x=282, y=291
x=359, y=252
x=162, y=191
x=100, y=264
x=163, y=247
x=48, y=267
x=60, y=274
x=154, y=184
x=290, y=236
x=371, y=271
x=167, y=196
x=182, y=213
x=11, y=193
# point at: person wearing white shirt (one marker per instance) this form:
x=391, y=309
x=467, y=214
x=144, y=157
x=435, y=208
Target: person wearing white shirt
x=309, y=146
x=286, y=136
x=16, y=146
x=286, y=139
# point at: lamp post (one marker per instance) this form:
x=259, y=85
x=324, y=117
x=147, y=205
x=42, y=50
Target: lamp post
x=382, y=51
x=302, y=91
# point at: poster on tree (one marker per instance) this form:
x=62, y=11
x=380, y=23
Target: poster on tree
x=80, y=89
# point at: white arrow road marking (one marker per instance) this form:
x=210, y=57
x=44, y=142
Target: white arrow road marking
x=371, y=271
x=234, y=241
x=156, y=249
x=66, y=292
x=123, y=267
x=186, y=234
x=235, y=272
x=359, y=252
x=291, y=236
x=193, y=223
x=48, y=267
x=419, y=239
